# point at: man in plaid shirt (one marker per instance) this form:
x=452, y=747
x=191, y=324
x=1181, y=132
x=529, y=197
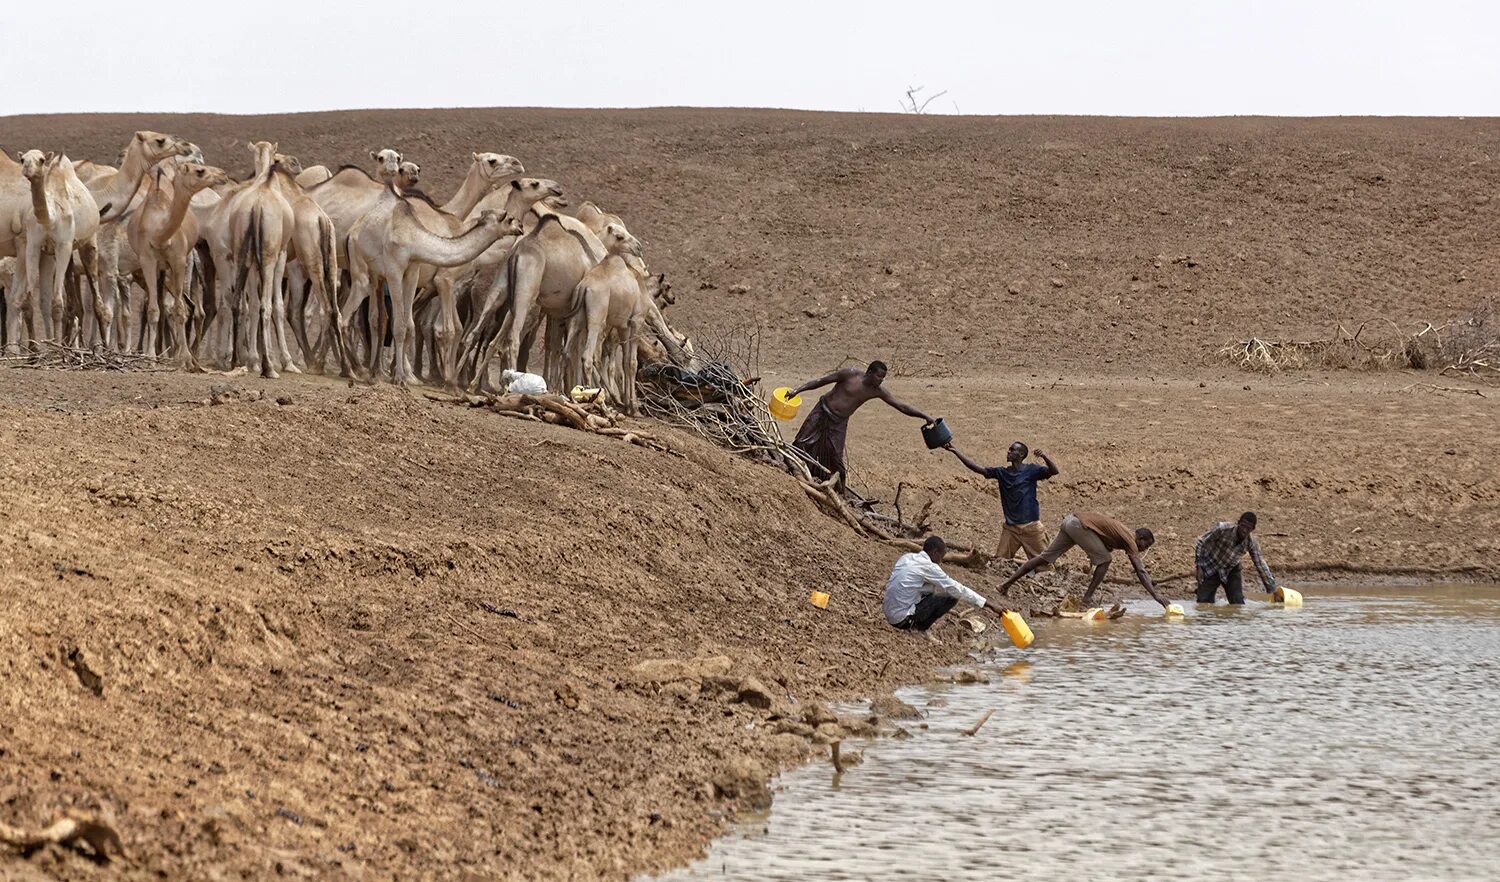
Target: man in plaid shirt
x=1217, y=559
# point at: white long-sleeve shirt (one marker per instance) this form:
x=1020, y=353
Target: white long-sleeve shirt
x=914, y=576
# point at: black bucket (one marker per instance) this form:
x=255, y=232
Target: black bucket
x=936, y=435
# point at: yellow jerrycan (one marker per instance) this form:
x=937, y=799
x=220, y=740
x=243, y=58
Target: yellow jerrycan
x=1288, y=597
x=1016, y=627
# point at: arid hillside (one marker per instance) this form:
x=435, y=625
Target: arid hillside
x=363, y=634
x=1120, y=244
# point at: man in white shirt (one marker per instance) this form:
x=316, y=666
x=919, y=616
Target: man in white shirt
x=919, y=593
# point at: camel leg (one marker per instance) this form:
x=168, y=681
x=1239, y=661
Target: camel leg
x=104, y=307
x=152, y=271
x=445, y=335
x=630, y=353
x=41, y=291
x=16, y=306
x=177, y=280
x=268, y=329
x=379, y=317
x=282, y=324
x=495, y=298
x=401, y=331
x=297, y=305
x=359, y=291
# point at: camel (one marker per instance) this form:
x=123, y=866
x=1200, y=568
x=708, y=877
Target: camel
x=408, y=175
x=387, y=166
x=596, y=218
x=387, y=244
x=162, y=233
x=614, y=301
x=260, y=229
x=62, y=217
x=113, y=192
x=512, y=201
x=317, y=263
x=543, y=272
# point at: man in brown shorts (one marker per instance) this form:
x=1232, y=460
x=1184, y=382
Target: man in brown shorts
x=1098, y=536
x=825, y=430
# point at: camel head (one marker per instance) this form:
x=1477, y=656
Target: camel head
x=387, y=164
x=408, y=173
x=658, y=289
x=502, y=225
x=194, y=153
x=526, y=192
x=33, y=162
x=155, y=146
x=498, y=166
x=195, y=176
x=287, y=163
x=617, y=240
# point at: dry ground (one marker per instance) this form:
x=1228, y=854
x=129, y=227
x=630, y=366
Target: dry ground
x=285, y=602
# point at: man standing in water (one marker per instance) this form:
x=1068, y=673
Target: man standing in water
x=825, y=430
x=1217, y=558
x=919, y=593
x=1098, y=536
x=1017, y=480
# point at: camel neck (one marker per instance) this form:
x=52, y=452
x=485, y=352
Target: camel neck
x=469, y=193
x=39, y=197
x=428, y=247
x=182, y=200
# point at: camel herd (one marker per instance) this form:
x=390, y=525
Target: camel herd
x=296, y=267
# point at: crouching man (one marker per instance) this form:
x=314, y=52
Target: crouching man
x=919, y=593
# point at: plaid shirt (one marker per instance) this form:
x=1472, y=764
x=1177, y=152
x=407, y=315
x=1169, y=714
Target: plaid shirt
x=1219, y=550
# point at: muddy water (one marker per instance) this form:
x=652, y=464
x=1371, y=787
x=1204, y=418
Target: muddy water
x=1357, y=738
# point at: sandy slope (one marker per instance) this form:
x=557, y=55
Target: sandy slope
x=284, y=602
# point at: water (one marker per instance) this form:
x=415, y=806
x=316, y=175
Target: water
x=1357, y=738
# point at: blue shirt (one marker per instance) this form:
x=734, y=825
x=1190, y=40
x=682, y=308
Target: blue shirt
x=1018, y=491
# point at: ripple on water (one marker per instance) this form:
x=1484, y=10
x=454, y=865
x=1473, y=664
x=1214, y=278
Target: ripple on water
x=1352, y=739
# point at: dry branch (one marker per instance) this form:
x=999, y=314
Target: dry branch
x=52, y=356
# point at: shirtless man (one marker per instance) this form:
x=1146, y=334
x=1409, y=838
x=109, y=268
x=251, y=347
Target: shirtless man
x=1099, y=536
x=825, y=430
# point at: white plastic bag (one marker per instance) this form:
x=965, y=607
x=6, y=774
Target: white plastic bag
x=519, y=383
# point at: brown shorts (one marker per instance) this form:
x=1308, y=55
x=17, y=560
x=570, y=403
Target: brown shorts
x=1073, y=532
x=1015, y=537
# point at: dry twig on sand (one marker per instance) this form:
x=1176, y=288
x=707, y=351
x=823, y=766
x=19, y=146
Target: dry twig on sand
x=1469, y=348
x=69, y=830
x=52, y=356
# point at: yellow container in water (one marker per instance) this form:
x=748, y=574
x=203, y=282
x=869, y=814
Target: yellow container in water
x=1289, y=597
x=782, y=407
x=819, y=599
x=1175, y=612
x=1016, y=627
x=1095, y=614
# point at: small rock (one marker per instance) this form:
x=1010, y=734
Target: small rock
x=893, y=708
x=1013, y=289
x=739, y=289
x=743, y=778
x=816, y=312
x=667, y=670
x=754, y=693
x=1451, y=451
x=970, y=677
x=1057, y=283
x=816, y=715
x=286, y=400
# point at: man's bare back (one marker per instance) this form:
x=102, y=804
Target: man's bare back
x=853, y=387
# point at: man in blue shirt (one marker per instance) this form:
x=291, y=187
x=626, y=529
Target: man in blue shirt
x=1023, y=514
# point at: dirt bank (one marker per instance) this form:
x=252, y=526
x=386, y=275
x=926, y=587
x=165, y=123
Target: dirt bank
x=366, y=635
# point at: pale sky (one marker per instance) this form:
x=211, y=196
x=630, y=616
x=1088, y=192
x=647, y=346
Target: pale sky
x=1114, y=57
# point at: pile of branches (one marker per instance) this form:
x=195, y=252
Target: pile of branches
x=55, y=357
x=1470, y=347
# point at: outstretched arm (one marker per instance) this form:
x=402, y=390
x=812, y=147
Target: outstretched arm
x=972, y=465
x=907, y=409
x=1145, y=577
x=815, y=384
x=1051, y=466
x=1260, y=565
